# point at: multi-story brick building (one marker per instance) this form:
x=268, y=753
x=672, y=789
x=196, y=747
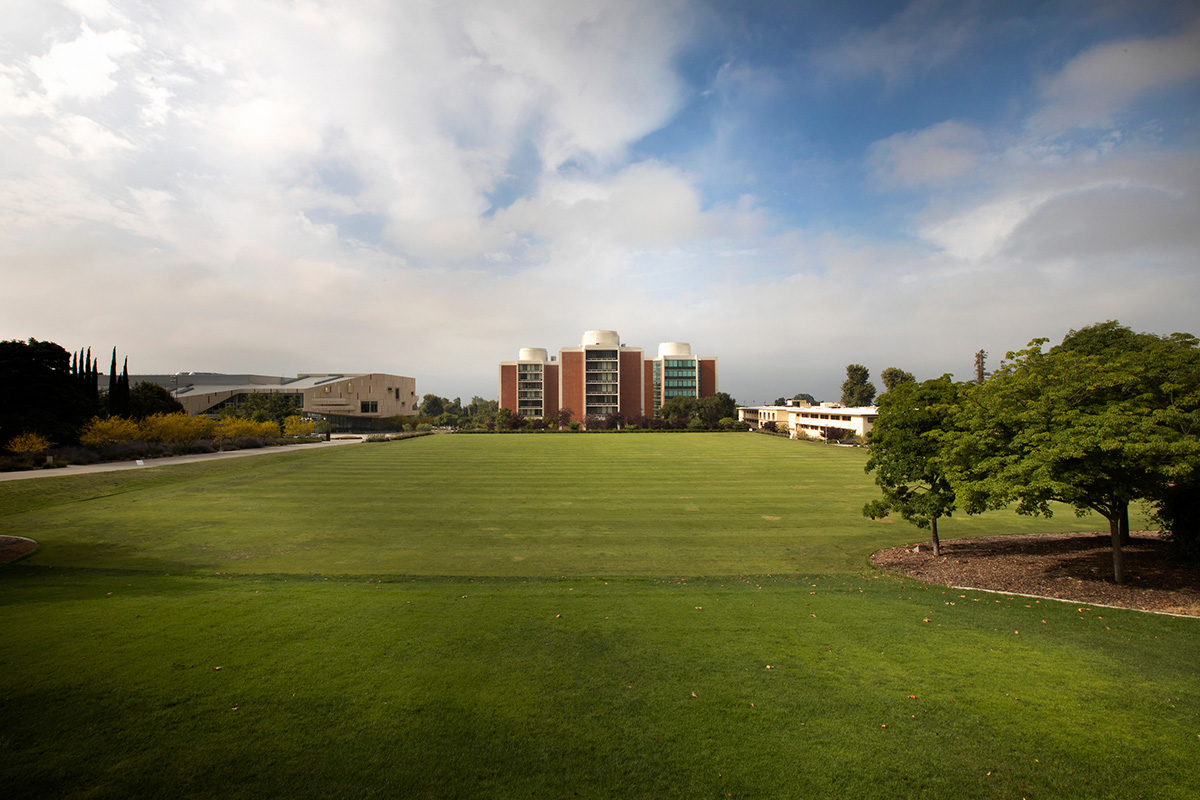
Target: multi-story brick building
x=603, y=376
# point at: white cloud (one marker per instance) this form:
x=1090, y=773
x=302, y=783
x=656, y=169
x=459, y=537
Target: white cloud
x=268, y=125
x=645, y=205
x=1093, y=88
x=83, y=68
x=980, y=230
x=941, y=153
x=919, y=37
x=279, y=186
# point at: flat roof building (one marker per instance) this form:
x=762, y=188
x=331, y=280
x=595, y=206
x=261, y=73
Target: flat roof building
x=830, y=421
x=603, y=376
x=346, y=400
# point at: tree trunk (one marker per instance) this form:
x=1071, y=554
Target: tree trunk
x=1125, y=537
x=1114, y=527
x=937, y=546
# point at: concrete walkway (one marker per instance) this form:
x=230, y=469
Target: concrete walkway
x=167, y=461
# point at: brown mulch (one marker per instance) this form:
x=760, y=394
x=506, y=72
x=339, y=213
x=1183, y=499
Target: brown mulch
x=1069, y=566
x=14, y=547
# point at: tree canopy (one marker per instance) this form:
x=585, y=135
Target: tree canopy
x=893, y=377
x=857, y=389
x=147, y=399
x=906, y=453
x=1107, y=418
x=1104, y=419
x=41, y=392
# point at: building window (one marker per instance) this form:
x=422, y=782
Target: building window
x=368, y=407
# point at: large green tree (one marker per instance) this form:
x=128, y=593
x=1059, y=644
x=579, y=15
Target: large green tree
x=1107, y=418
x=857, y=389
x=907, y=444
x=146, y=399
x=684, y=408
x=432, y=406
x=893, y=377
x=715, y=408
x=40, y=394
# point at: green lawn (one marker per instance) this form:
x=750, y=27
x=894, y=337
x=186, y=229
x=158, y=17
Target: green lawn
x=553, y=616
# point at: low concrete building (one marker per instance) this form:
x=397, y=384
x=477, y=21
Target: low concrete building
x=347, y=400
x=826, y=421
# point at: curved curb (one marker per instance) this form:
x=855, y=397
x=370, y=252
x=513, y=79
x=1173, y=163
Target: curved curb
x=902, y=575
x=15, y=548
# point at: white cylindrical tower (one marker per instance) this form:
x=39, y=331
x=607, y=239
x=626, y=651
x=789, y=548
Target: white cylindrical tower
x=668, y=349
x=533, y=354
x=601, y=337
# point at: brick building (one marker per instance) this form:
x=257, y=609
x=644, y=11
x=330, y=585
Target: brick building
x=603, y=376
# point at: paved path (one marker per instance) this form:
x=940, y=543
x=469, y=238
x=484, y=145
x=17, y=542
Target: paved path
x=167, y=461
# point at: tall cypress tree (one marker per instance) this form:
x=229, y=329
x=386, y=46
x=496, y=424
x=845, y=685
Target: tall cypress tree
x=112, y=382
x=123, y=389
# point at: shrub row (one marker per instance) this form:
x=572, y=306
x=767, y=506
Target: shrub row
x=176, y=428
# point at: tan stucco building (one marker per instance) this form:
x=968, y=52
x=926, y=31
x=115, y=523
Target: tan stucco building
x=342, y=398
x=816, y=422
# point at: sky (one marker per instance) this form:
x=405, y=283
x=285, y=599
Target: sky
x=425, y=187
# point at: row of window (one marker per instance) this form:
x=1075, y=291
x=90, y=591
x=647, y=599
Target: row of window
x=681, y=384
x=674, y=362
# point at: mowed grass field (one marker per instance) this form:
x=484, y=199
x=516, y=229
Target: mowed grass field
x=553, y=616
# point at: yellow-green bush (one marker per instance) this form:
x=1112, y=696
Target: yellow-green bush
x=233, y=427
x=176, y=427
x=28, y=444
x=106, y=431
x=298, y=426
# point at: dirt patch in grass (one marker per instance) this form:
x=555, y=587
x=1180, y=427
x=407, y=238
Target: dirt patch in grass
x=1068, y=566
x=14, y=547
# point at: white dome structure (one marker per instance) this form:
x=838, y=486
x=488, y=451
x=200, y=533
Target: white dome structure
x=591, y=338
x=533, y=354
x=671, y=349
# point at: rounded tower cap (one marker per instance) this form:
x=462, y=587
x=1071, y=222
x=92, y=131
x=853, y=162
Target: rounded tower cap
x=674, y=349
x=533, y=354
x=601, y=337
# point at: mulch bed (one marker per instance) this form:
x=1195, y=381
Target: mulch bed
x=14, y=547
x=1068, y=566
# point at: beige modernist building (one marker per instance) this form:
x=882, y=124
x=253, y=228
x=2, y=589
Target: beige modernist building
x=826, y=421
x=343, y=399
